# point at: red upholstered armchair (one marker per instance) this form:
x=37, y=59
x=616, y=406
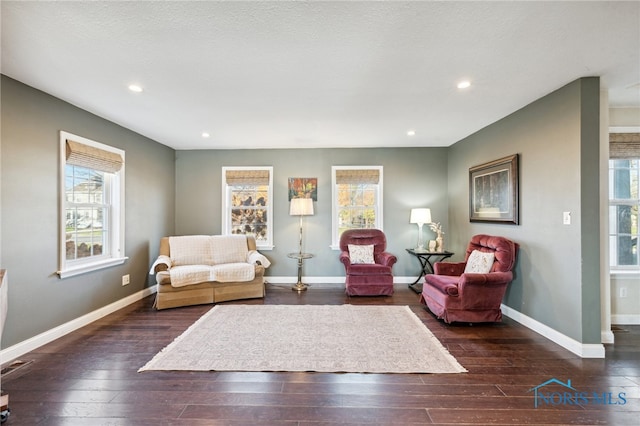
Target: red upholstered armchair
x=475, y=295
x=367, y=264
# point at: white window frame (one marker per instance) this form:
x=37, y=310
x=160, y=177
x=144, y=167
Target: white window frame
x=618, y=269
x=115, y=253
x=226, y=206
x=335, y=238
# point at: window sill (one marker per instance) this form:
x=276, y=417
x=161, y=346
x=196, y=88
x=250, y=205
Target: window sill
x=83, y=269
x=626, y=273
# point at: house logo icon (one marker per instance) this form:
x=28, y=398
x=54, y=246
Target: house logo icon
x=561, y=393
x=536, y=390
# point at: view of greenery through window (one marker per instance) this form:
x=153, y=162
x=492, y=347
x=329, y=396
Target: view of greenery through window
x=356, y=206
x=85, y=212
x=623, y=212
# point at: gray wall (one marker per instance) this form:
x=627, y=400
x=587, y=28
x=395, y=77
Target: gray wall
x=173, y=193
x=557, y=271
x=38, y=299
x=413, y=177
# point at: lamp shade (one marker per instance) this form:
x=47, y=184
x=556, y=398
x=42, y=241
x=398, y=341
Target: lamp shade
x=301, y=207
x=420, y=216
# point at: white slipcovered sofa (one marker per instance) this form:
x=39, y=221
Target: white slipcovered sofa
x=200, y=269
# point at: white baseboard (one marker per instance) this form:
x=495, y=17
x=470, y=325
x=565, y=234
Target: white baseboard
x=626, y=319
x=12, y=352
x=584, y=350
x=607, y=337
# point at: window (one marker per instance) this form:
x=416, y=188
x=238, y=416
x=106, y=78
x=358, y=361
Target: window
x=92, y=205
x=357, y=199
x=247, y=205
x=624, y=200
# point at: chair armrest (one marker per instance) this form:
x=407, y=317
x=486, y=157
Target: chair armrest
x=386, y=259
x=449, y=268
x=344, y=258
x=484, y=280
x=477, y=291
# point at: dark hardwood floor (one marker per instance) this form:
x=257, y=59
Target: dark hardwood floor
x=90, y=378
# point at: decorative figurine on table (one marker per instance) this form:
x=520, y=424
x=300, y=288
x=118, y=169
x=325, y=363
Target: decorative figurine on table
x=437, y=228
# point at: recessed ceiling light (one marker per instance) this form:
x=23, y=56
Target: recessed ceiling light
x=464, y=84
x=411, y=133
x=135, y=88
x=205, y=135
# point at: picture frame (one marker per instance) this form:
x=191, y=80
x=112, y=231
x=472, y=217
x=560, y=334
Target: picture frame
x=303, y=188
x=494, y=191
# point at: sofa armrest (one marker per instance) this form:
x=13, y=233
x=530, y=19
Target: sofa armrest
x=259, y=271
x=255, y=257
x=162, y=263
x=449, y=268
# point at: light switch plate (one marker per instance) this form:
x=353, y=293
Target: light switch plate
x=566, y=218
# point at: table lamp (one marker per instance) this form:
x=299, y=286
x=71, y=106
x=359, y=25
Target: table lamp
x=420, y=217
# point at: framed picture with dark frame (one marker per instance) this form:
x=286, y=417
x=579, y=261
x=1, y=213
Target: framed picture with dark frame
x=493, y=191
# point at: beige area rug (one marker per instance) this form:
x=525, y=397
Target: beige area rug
x=322, y=338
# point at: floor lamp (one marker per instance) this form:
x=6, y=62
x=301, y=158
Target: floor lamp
x=420, y=217
x=300, y=207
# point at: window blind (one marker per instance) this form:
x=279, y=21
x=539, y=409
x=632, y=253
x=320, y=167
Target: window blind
x=624, y=145
x=247, y=177
x=357, y=176
x=79, y=154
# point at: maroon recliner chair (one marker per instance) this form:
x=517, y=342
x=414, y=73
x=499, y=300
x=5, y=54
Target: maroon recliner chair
x=456, y=296
x=367, y=279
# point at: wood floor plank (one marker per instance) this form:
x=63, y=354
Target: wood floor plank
x=90, y=377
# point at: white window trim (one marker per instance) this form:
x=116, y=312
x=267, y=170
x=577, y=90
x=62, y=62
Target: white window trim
x=226, y=211
x=335, y=240
x=116, y=244
x=620, y=270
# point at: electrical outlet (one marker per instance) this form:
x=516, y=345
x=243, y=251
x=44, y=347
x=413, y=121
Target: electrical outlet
x=566, y=218
x=125, y=279
x=623, y=292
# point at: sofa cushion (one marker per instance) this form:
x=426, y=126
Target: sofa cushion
x=190, y=250
x=230, y=272
x=189, y=274
x=228, y=249
x=479, y=262
x=361, y=253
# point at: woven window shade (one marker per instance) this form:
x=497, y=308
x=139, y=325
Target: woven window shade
x=247, y=177
x=624, y=145
x=79, y=154
x=357, y=176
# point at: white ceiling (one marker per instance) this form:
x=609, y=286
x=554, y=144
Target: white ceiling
x=317, y=74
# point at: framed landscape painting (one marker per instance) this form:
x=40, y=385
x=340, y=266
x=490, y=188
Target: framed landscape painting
x=303, y=188
x=493, y=191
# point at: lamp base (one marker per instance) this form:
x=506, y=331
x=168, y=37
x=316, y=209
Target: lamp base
x=299, y=287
